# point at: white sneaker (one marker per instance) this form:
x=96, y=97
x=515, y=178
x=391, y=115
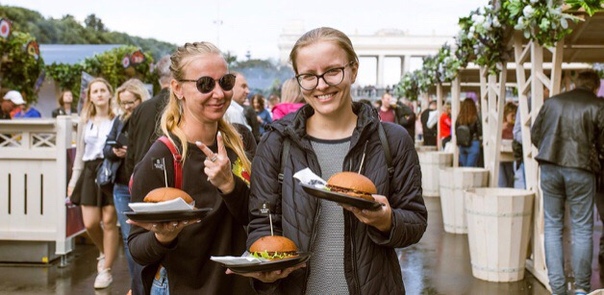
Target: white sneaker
x=100, y=265
x=103, y=279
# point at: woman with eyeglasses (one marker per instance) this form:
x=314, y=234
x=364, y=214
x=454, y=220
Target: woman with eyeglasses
x=128, y=96
x=353, y=250
x=215, y=172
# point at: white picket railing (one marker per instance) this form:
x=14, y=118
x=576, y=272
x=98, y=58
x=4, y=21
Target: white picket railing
x=33, y=178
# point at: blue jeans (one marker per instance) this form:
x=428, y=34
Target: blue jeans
x=468, y=155
x=519, y=176
x=160, y=284
x=121, y=198
x=576, y=187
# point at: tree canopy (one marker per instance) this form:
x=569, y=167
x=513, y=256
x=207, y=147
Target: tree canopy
x=68, y=30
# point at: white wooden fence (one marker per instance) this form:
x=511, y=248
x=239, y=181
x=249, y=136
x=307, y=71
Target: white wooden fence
x=33, y=177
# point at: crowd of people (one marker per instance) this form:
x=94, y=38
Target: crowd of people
x=204, y=134
x=228, y=144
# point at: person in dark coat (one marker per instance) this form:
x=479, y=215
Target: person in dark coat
x=569, y=134
x=429, y=127
x=143, y=126
x=215, y=172
x=66, y=107
x=353, y=250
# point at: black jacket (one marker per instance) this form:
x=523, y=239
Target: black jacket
x=569, y=130
x=404, y=116
x=119, y=127
x=220, y=233
x=61, y=111
x=143, y=127
x=371, y=264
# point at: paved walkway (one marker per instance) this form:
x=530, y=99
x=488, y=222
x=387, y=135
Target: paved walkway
x=438, y=264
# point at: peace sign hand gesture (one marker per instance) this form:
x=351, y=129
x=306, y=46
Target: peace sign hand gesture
x=218, y=166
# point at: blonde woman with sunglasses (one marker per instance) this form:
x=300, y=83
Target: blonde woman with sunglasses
x=215, y=172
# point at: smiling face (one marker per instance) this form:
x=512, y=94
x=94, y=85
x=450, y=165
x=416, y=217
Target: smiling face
x=197, y=106
x=318, y=58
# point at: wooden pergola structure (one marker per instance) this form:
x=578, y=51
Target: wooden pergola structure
x=535, y=67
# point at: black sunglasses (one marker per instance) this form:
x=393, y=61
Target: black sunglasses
x=206, y=84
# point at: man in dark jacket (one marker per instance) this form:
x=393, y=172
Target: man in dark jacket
x=399, y=113
x=370, y=262
x=569, y=133
x=429, y=128
x=143, y=131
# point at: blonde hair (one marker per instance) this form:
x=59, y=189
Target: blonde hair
x=290, y=91
x=323, y=34
x=172, y=115
x=134, y=86
x=89, y=109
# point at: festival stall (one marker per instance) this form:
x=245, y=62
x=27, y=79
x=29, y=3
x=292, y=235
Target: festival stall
x=529, y=45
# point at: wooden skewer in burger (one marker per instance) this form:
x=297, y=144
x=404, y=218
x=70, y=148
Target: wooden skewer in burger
x=273, y=247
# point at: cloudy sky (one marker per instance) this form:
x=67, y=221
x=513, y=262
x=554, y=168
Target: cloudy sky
x=254, y=26
x=240, y=26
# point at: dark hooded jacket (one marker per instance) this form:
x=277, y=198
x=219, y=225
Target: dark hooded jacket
x=371, y=264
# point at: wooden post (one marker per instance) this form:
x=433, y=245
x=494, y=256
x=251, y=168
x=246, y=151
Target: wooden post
x=455, y=99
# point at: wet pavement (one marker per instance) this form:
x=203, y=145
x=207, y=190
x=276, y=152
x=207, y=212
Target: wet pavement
x=438, y=264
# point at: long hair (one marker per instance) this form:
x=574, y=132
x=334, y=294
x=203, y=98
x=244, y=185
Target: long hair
x=468, y=114
x=137, y=88
x=172, y=115
x=60, y=98
x=89, y=109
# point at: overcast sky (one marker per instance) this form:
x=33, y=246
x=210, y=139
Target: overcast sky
x=254, y=25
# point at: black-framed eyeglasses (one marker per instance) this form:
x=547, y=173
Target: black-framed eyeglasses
x=332, y=77
x=206, y=84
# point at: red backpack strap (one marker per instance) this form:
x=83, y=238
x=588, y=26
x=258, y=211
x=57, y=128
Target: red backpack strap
x=177, y=161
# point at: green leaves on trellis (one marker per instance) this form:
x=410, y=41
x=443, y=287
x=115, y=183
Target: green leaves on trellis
x=108, y=65
x=20, y=70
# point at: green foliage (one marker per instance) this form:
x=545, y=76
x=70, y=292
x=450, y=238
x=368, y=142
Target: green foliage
x=19, y=69
x=68, y=30
x=413, y=84
x=541, y=21
x=107, y=65
x=590, y=6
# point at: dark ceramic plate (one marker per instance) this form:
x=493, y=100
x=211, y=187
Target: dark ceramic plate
x=165, y=216
x=340, y=198
x=268, y=265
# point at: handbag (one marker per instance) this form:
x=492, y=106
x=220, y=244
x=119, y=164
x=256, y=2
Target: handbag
x=105, y=174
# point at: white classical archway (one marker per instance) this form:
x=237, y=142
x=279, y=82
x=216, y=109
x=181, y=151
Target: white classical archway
x=384, y=44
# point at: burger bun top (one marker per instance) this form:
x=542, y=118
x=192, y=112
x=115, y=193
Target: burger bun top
x=353, y=181
x=167, y=194
x=273, y=244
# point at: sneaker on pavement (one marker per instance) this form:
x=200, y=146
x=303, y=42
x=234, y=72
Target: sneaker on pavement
x=100, y=265
x=103, y=279
x=580, y=292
